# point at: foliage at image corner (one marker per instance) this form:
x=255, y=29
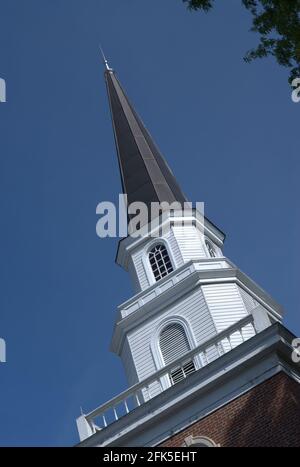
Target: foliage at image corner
x=278, y=24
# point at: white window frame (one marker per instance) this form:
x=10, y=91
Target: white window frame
x=156, y=350
x=146, y=260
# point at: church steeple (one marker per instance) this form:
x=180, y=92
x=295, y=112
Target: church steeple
x=198, y=339
x=145, y=174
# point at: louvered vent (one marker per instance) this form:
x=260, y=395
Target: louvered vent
x=174, y=344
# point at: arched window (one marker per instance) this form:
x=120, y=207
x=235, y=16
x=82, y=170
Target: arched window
x=174, y=344
x=210, y=249
x=160, y=261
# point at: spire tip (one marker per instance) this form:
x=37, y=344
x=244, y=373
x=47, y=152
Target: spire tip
x=104, y=59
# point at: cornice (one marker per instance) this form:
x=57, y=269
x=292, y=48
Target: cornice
x=193, y=277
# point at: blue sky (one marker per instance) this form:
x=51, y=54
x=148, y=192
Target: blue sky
x=229, y=130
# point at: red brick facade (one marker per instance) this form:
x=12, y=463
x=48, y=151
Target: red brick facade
x=268, y=415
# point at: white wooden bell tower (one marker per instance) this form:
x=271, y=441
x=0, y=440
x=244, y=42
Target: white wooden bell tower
x=197, y=333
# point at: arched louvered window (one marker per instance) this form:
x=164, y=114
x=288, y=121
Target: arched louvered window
x=211, y=249
x=174, y=344
x=160, y=261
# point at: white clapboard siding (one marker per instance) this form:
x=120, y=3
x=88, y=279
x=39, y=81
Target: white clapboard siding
x=137, y=259
x=249, y=301
x=193, y=308
x=128, y=364
x=189, y=242
x=227, y=307
x=175, y=250
x=134, y=277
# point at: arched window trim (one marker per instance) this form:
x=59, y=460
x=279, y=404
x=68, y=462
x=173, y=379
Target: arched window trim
x=146, y=261
x=208, y=241
x=155, y=347
x=191, y=441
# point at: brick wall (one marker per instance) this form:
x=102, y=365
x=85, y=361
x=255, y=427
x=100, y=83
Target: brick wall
x=267, y=415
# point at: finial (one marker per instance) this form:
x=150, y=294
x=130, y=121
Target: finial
x=104, y=59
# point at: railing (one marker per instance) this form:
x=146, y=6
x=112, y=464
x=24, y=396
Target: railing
x=142, y=392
